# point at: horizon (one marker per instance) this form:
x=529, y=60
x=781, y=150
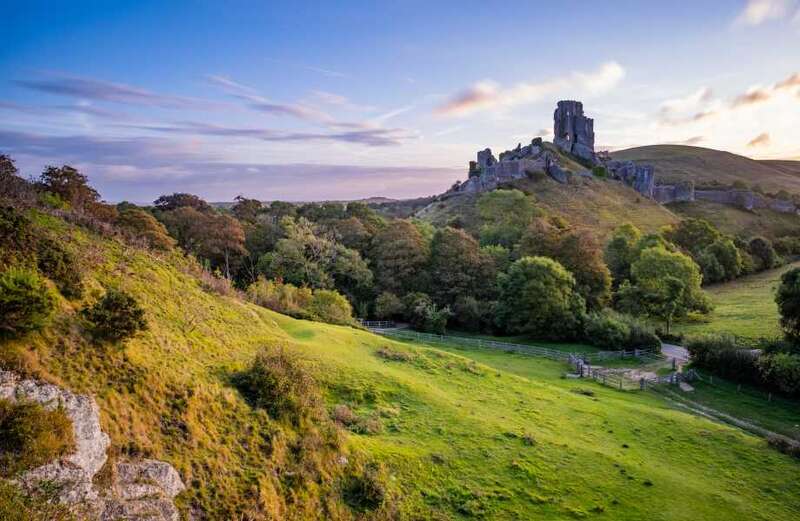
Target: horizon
x=146, y=98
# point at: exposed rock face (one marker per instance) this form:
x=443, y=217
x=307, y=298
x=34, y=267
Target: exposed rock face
x=675, y=193
x=574, y=132
x=140, y=490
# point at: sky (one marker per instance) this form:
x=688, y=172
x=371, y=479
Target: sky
x=306, y=101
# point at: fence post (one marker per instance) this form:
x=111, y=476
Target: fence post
x=642, y=384
x=673, y=364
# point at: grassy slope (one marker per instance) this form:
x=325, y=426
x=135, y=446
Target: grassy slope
x=704, y=165
x=590, y=203
x=744, y=307
x=738, y=222
x=452, y=426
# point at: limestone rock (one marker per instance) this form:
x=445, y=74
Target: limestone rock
x=141, y=490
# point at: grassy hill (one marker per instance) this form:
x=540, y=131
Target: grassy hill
x=585, y=202
x=739, y=222
x=745, y=307
x=461, y=438
x=705, y=165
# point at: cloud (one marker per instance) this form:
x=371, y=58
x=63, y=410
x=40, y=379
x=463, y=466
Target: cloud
x=488, y=94
x=761, y=140
x=790, y=81
x=143, y=168
x=374, y=137
x=688, y=102
x=96, y=90
x=756, y=12
x=751, y=97
x=47, y=110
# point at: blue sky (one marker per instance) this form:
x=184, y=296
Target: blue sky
x=304, y=101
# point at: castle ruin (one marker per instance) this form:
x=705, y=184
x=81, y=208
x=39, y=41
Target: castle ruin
x=574, y=139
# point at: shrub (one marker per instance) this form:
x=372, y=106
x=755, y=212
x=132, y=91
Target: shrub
x=60, y=266
x=16, y=237
x=424, y=315
x=115, y=317
x=40, y=505
x=364, y=489
x=277, y=382
x=611, y=330
x=473, y=314
x=722, y=355
x=605, y=330
x=331, y=306
x=787, y=245
x=788, y=300
x=25, y=301
x=387, y=306
x=763, y=253
x=281, y=297
x=781, y=371
x=139, y=224
x=31, y=436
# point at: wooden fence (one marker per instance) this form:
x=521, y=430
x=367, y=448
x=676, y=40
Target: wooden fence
x=532, y=350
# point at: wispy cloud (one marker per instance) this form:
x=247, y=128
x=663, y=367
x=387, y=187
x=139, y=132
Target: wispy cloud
x=329, y=73
x=688, y=102
x=78, y=108
x=751, y=97
x=375, y=137
x=98, y=90
x=791, y=81
x=488, y=94
x=692, y=141
x=760, y=140
x=756, y=12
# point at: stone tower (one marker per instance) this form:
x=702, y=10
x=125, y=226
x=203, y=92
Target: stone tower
x=574, y=132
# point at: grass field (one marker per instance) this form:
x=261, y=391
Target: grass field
x=744, y=307
x=464, y=434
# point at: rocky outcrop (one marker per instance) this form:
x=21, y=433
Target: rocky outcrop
x=640, y=177
x=139, y=490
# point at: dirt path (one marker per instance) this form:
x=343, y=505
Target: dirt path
x=680, y=353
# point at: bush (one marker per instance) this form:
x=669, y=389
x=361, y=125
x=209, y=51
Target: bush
x=31, y=436
x=115, y=317
x=277, y=382
x=611, y=330
x=364, y=489
x=424, y=315
x=472, y=314
x=787, y=245
x=722, y=355
x=788, y=300
x=605, y=330
x=781, y=371
x=331, y=306
x=60, y=266
x=763, y=253
x=16, y=237
x=40, y=505
x=25, y=302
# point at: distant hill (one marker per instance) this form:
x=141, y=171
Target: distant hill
x=706, y=166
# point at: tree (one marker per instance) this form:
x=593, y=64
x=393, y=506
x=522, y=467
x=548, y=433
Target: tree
x=728, y=258
x=246, y=210
x=504, y=214
x=664, y=285
x=330, y=306
x=216, y=238
x=458, y=267
x=576, y=250
x=139, y=224
x=70, y=185
x=388, y=306
x=12, y=185
x=621, y=252
x=763, y=253
x=693, y=235
x=788, y=300
x=538, y=297
x=399, y=254
x=177, y=200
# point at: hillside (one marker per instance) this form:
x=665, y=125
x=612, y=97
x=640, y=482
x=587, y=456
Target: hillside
x=744, y=307
x=461, y=440
x=597, y=204
x=705, y=166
